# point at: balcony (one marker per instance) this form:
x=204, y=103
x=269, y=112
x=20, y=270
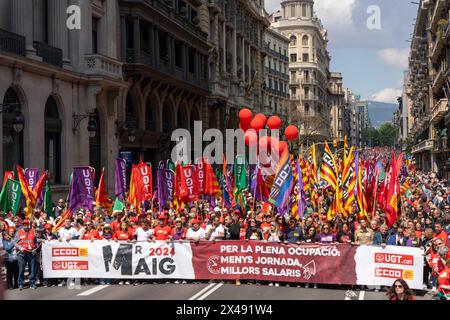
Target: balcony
x=441, y=145
x=437, y=13
x=438, y=79
x=49, y=54
x=439, y=110
x=437, y=48
x=12, y=43
x=426, y=145
x=101, y=65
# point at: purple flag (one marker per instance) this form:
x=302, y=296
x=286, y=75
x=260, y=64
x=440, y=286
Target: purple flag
x=165, y=182
x=301, y=190
x=82, y=193
x=32, y=176
x=120, y=178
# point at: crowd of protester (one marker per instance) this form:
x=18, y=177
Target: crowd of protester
x=424, y=223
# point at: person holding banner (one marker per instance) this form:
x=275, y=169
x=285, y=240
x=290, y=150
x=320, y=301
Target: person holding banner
x=26, y=242
x=179, y=232
x=443, y=291
x=10, y=258
x=195, y=233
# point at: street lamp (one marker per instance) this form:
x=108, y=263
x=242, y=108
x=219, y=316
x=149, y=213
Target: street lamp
x=92, y=126
x=127, y=127
x=19, y=119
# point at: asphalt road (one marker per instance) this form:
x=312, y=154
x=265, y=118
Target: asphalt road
x=199, y=291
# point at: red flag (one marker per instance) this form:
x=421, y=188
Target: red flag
x=101, y=196
x=212, y=187
x=392, y=194
x=142, y=188
x=200, y=175
x=8, y=175
x=261, y=186
x=188, y=184
x=31, y=195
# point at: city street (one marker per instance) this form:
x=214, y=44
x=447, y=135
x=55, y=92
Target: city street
x=204, y=291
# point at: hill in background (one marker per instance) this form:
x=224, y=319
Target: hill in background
x=380, y=112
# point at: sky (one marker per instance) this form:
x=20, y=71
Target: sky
x=371, y=60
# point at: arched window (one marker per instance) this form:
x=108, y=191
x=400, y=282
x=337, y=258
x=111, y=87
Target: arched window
x=304, y=10
x=305, y=40
x=150, y=115
x=130, y=113
x=293, y=40
x=95, y=149
x=167, y=117
x=53, y=128
x=182, y=119
x=12, y=140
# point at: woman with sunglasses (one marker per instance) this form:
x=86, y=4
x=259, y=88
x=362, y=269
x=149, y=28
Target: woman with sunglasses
x=310, y=235
x=326, y=236
x=89, y=233
x=400, y=291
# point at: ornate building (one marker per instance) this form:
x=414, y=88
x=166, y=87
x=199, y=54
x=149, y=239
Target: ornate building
x=236, y=58
x=338, y=106
x=276, y=100
x=64, y=86
x=309, y=62
x=428, y=87
x=118, y=87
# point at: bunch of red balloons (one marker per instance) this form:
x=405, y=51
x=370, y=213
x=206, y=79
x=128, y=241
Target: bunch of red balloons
x=252, y=125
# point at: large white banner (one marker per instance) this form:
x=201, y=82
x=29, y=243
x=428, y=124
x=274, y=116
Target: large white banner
x=382, y=266
x=316, y=263
x=117, y=260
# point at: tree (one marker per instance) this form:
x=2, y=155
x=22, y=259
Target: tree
x=371, y=137
x=387, y=134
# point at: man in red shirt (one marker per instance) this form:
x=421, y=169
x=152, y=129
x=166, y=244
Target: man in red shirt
x=444, y=281
x=133, y=226
x=162, y=231
x=440, y=233
x=118, y=219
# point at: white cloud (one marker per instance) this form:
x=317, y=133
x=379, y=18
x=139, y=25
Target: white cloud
x=334, y=14
x=396, y=58
x=388, y=95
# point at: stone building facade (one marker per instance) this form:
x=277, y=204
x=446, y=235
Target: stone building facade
x=276, y=100
x=309, y=63
x=428, y=87
x=134, y=72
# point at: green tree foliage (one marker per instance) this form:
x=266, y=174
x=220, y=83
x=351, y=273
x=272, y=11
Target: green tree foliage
x=383, y=136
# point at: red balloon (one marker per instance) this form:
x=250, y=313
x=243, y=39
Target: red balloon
x=274, y=123
x=262, y=117
x=291, y=133
x=244, y=126
x=264, y=143
x=245, y=115
x=251, y=138
x=257, y=124
x=282, y=146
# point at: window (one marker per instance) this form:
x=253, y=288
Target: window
x=294, y=91
x=270, y=83
x=95, y=146
x=293, y=40
x=53, y=127
x=178, y=54
x=95, y=24
x=204, y=68
x=306, y=75
x=191, y=60
x=12, y=141
x=305, y=40
x=306, y=107
x=194, y=16
x=292, y=10
x=306, y=57
x=163, y=46
x=293, y=57
x=304, y=10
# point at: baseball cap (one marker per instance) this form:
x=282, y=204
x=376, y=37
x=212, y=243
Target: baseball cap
x=161, y=216
x=195, y=221
x=48, y=226
x=26, y=221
